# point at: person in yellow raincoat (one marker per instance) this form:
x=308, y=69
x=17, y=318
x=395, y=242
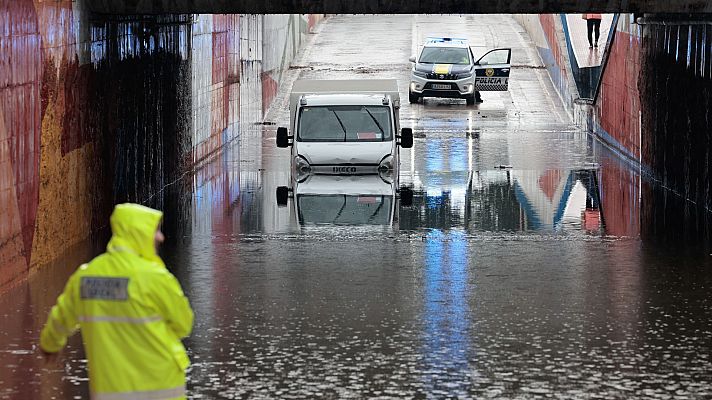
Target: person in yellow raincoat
x=132, y=313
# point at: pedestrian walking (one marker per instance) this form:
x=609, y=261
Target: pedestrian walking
x=593, y=25
x=131, y=311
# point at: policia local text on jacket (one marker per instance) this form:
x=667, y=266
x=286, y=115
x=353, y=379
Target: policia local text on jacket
x=132, y=314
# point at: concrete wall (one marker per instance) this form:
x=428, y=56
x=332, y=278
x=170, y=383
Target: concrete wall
x=546, y=31
x=676, y=88
x=96, y=110
x=283, y=35
x=618, y=106
x=615, y=114
x=653, y=109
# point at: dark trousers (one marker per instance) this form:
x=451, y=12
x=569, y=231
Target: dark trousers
x=594, y=25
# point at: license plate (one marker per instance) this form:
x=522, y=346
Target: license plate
x=344, y=169
x=440, y=86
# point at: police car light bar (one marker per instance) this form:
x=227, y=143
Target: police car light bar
x=444, y=39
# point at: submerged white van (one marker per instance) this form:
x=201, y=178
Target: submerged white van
x=344, y=127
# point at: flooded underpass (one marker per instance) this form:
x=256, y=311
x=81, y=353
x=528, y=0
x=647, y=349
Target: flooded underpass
x=514, y=257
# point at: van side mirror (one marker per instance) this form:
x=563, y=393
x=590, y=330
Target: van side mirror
x=283, y=137
x=406, y=138
x=412, y=59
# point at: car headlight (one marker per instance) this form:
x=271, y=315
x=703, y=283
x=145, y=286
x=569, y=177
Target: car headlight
x=465, y=75
x=385, y=169
x=420, y=73
x=386, y=164
x=301, y=168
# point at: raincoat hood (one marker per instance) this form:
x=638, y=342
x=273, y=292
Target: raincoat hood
x=133, y=228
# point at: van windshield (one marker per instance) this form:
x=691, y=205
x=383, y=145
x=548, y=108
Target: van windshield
x=344, y=209
x=344, y=124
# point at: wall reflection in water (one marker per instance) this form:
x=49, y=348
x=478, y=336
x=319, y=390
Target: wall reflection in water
x=551, y=201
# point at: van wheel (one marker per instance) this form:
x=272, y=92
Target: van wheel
x=282, y=196
x=413, y=98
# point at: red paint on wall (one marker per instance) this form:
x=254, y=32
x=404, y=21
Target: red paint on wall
x=618, y=106
x=313, y=19
x=21, y=111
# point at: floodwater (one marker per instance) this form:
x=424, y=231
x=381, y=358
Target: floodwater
x=530, y=262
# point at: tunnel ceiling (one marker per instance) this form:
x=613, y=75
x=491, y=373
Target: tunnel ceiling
x=395, y=6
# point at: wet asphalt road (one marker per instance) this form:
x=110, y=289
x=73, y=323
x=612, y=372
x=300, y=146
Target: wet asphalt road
x=524, y=282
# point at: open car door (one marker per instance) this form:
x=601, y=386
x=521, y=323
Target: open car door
x=492, y=70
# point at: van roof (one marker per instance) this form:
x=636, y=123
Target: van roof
x=328, y=99
x=345, y=86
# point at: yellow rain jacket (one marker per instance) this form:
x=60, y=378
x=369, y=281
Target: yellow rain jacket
x=132, y=313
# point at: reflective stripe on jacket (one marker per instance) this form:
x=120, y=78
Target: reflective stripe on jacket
x=132, y=313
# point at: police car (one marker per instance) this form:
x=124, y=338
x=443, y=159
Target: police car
x=446, y=67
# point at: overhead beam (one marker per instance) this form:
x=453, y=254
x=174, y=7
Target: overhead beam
x=395, y=6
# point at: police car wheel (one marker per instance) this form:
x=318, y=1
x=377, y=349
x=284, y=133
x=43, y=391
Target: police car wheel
x=478, y=97
x=470, y=100
x=413, y=98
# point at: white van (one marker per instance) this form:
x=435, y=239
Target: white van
x=344, y=127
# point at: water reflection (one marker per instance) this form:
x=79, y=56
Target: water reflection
x=451, y=182
x=447, y=315
x=342, y=200
x=551, y=201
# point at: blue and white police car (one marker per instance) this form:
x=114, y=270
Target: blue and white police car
x=446, y=67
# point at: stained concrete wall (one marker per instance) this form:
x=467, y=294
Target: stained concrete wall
x=675, y=85
x=547, y=33
x=283, y=36
x=614, y=115
x=97, y=110
x=653, y=109
x=616, y=118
